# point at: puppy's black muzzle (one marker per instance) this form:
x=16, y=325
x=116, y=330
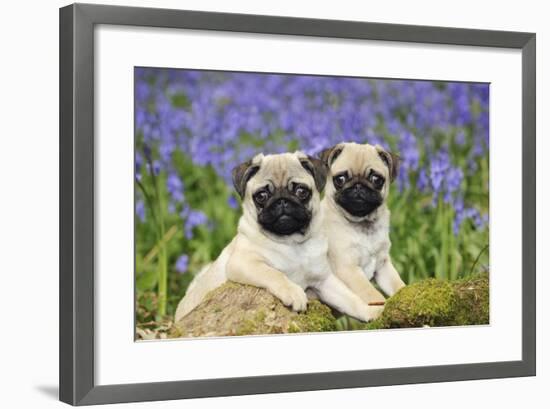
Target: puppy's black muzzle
x=284, y=216
x=359, y=200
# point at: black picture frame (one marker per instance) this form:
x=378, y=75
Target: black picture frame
x=76, y=273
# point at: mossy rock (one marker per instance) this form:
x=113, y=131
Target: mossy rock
x=437, y=303
x=235, y=309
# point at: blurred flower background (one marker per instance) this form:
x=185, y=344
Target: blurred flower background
x=192, y=127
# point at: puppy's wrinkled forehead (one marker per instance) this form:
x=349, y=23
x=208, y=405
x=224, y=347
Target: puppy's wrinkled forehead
x=359, y=159
x=281, y=169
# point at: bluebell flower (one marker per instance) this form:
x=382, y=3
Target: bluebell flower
x=460, y=138
x=155, y=169
x=140, y=210
x=138, y=162
x=147, y=152
x=232, y=202
x=193, y=218
x=410, y=157
x=459, y=215
x=453, y=179
x=463, y=213
x=182, y=263
x=438, y=169
x=423, y=181
x=174, y=185
x=196, y=218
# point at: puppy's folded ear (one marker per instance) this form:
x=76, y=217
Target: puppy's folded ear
x=328, y=156
x=391, y=160
x=242, y=174
x=317, y=169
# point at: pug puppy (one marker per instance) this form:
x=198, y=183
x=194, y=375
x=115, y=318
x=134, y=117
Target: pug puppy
x=280, y=244
x=357, y=220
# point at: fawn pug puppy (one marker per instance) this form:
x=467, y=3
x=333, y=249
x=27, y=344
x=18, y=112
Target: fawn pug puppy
x=357, y=219
x=280, y=243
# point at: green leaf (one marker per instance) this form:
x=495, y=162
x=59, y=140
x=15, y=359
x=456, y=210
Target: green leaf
x=147, y=280
x=181, y=101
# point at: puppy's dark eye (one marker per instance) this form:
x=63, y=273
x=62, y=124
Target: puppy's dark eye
x=340, y=180
x=301, y=192
x=376, y=180
x=261, y=197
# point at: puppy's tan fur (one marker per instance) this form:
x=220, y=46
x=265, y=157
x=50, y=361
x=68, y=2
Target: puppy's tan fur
x=359, y=247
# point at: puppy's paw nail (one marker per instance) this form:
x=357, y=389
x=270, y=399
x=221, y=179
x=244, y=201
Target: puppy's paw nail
x=372, y=313
x=295, y=298
x=300, y=304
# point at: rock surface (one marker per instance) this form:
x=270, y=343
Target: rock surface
x=235, y=309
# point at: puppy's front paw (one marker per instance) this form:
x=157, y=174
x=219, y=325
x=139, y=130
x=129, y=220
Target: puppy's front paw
x=293, y=296
x=371, y=312
x=376, y=298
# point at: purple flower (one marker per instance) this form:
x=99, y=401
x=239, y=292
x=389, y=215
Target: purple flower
x=147, y=152
x=182, y=263
x=460, y=138
x=172, y=208
x=232, y=202
x=444, y=177
x=165, y=151
x=438, y=169
x=139, y=162
x=423, y=181
x=193, y=218
x=463, y=213
x=174, y=185
x=140, y=210
x=196, y=218
x=155, y=169
x=410, y=158
x=454, y=178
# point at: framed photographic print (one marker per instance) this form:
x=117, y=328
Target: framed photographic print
x=241, y=194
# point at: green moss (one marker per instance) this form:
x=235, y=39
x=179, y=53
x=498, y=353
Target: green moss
x=437, y=303
x=247, y=327
x=426, y=303
x=472, y=304
x=254, y=325
x=260, y=316
x=317, y=318
x=175, y=332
